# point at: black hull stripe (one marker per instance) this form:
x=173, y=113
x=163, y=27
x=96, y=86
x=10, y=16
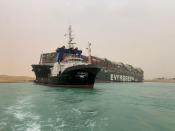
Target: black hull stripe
x=72, y=86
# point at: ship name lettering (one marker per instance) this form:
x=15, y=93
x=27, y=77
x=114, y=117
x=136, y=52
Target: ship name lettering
x=111, y=77
x=114, y=77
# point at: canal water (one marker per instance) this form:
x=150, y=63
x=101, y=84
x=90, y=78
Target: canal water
x=107, y=107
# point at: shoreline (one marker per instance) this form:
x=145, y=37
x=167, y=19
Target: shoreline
x=160, y=81
x=15, y=79
x=26, y=79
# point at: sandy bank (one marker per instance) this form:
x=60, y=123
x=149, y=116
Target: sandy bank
x=161, y=81
x=15, y=79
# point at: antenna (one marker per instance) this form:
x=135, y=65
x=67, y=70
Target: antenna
x=89, y=52
x=71, y=45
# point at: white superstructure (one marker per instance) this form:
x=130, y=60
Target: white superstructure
x=66, y=63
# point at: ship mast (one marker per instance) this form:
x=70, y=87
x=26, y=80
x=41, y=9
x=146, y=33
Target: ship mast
x=71, y=45
x=89, y=53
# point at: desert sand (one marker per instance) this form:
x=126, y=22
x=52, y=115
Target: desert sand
x=161, y=81
x=15, y=79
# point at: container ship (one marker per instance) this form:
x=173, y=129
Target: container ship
x=69, y=67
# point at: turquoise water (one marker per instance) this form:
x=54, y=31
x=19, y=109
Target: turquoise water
x=107, y=107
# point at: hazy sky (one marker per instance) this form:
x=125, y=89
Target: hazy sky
x=136, y=32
